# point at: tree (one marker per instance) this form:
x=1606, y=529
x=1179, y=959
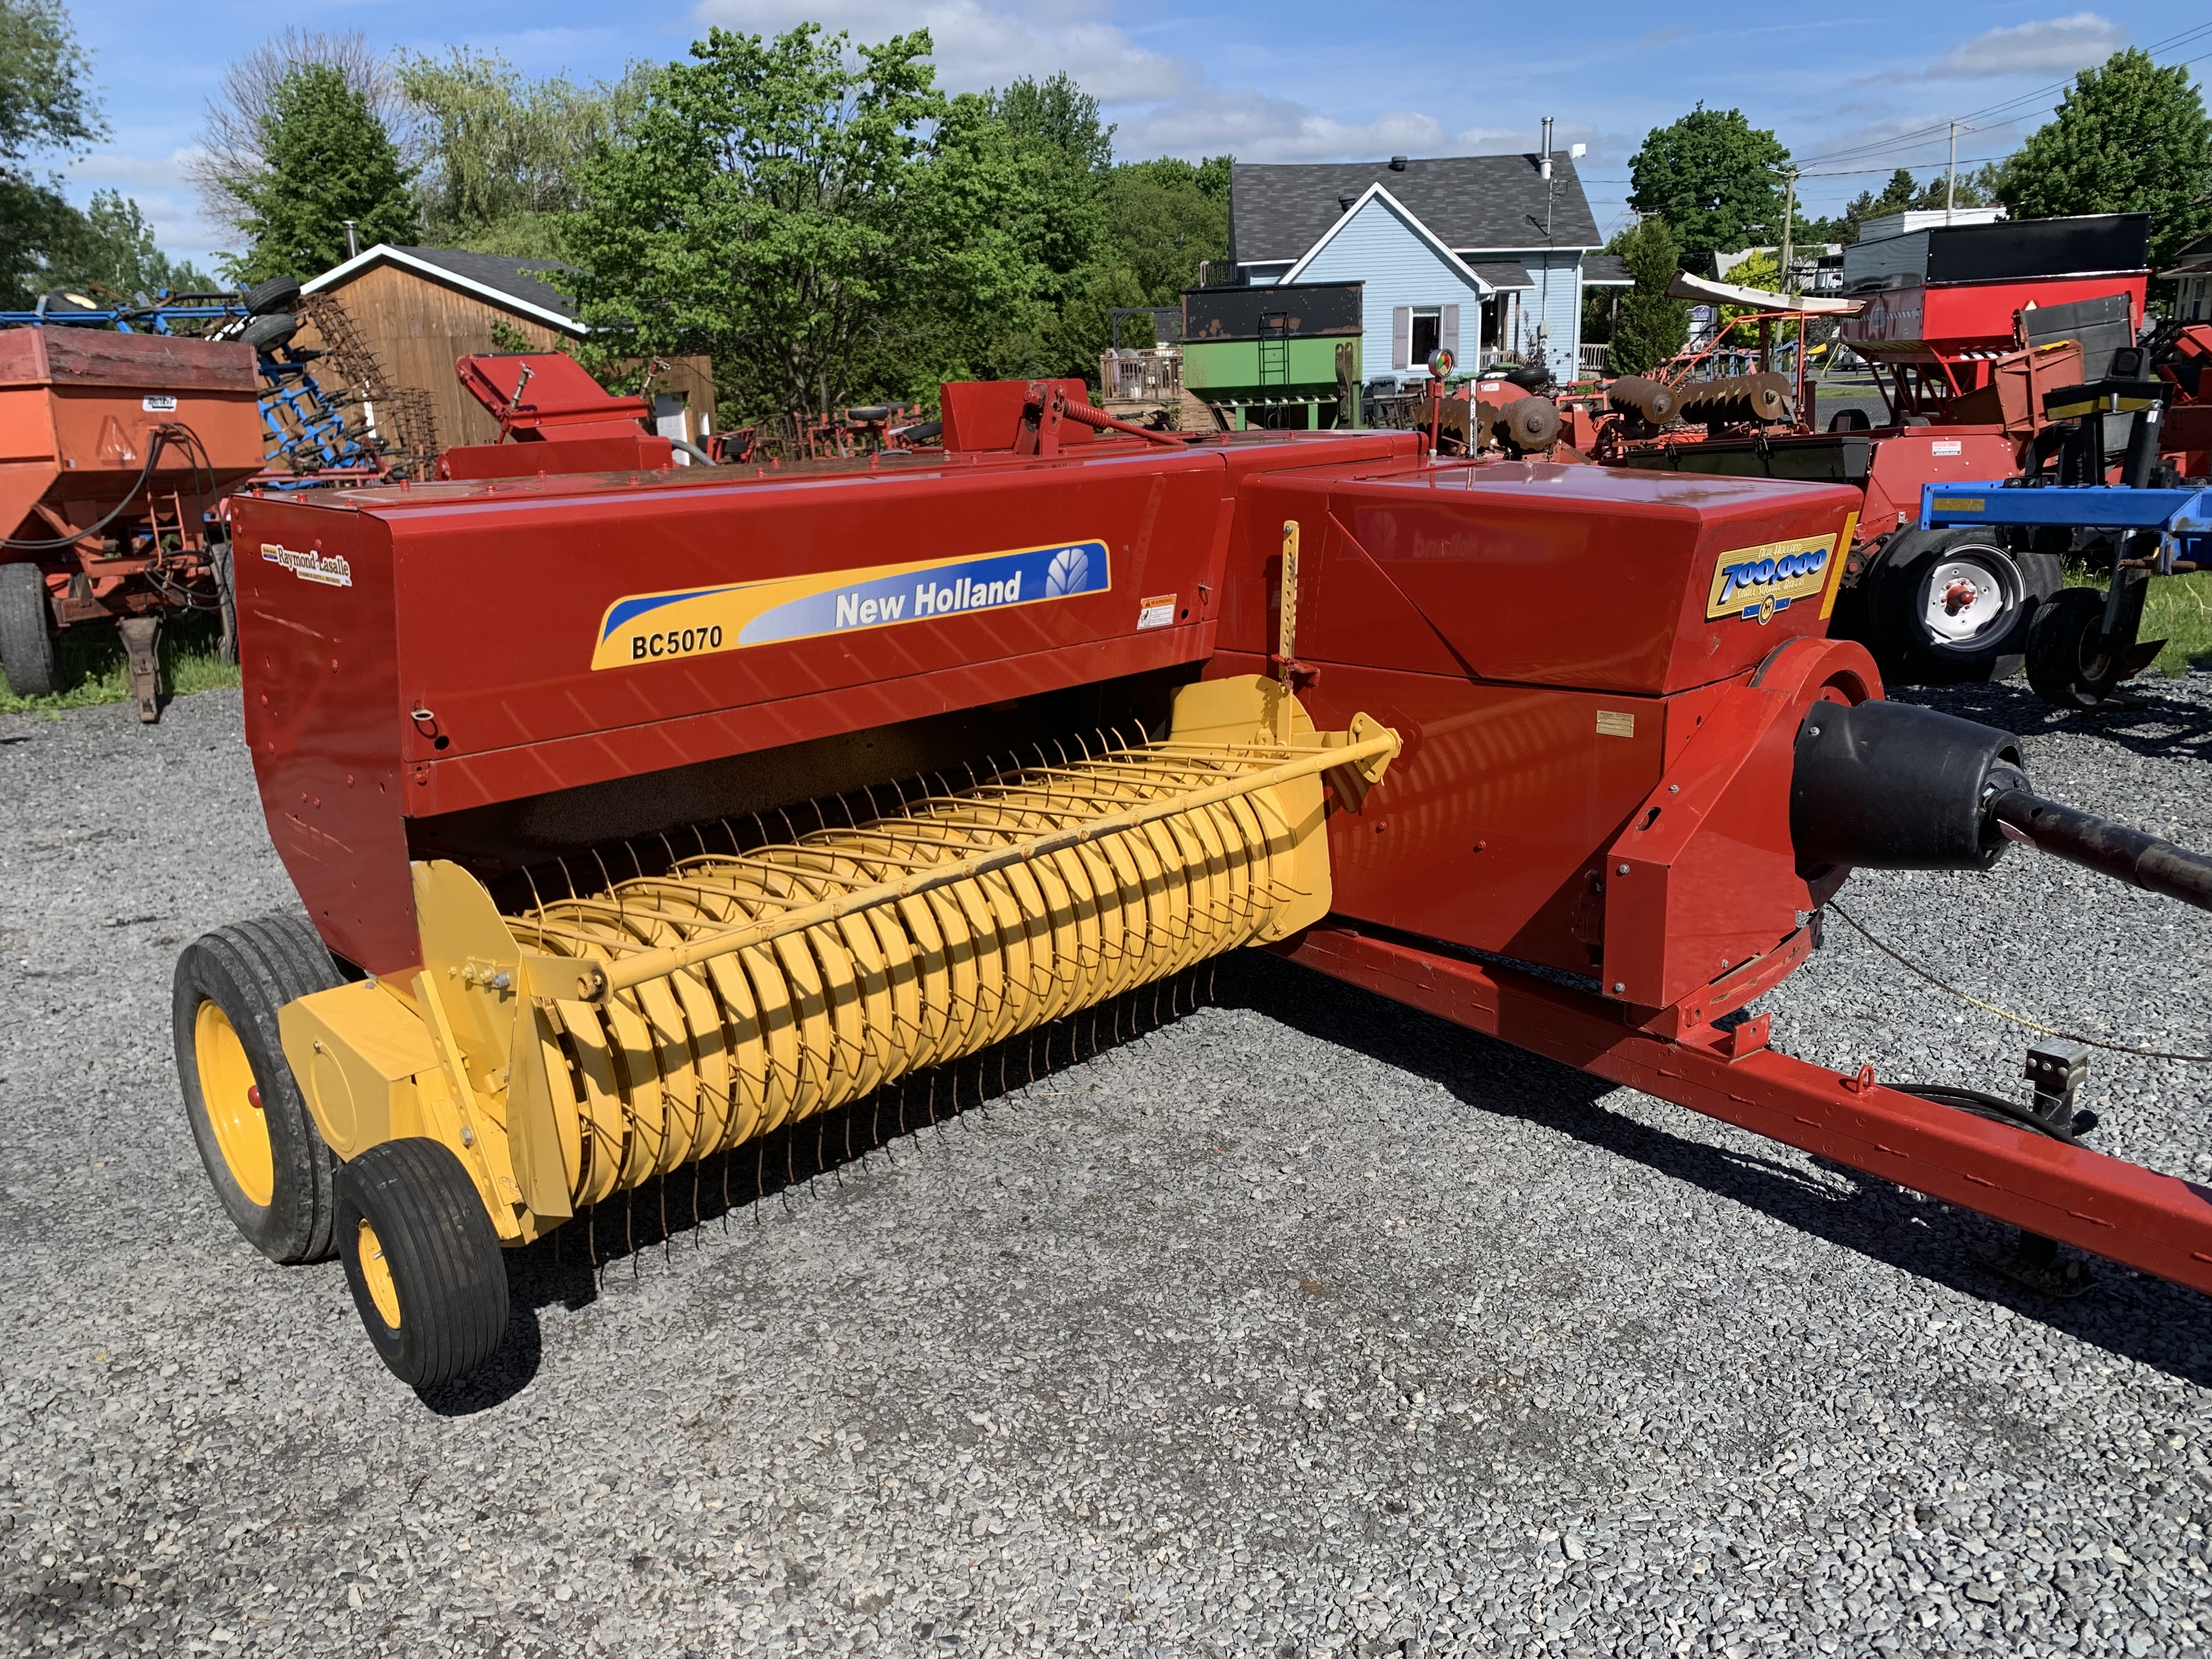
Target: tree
x=1058, y=115
x=501, y=154
x=1650, y=327
x=328, y=159
x=231, y=158
x=789, y=205
x=110, y=252
x=47, y=104
x=1710, y=176
x=1903, y=193
x=1167, y=218
x=2128, y=138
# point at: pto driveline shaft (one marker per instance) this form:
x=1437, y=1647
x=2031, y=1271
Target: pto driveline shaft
x=2130, y=855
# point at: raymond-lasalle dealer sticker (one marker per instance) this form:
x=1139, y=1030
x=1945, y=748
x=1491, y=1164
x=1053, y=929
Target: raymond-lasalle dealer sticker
x=1159, y=611
x=310, y=567
x=1755, y=582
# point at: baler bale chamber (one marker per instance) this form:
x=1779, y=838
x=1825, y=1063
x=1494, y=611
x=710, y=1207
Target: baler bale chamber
x=638, y=816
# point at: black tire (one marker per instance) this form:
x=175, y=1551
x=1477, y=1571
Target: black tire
x=267, y=1162
x=26, y=634
x=418, y=1245
x=1913, y=649
x=277, y=294
x=266, y=334
x=2067, y=665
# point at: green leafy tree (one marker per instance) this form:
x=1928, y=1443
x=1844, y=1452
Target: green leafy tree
x=110, y=252
x=502, y=154
x=1650, y=328
x=328, y=159
x=1710, y=176
x=807, y=212
x=1164, y=218
x=1903, y=193
x=2128, y=138
x=46, y=104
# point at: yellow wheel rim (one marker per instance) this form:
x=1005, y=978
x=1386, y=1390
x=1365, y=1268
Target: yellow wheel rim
x=233, y=1101
x=376, y=1273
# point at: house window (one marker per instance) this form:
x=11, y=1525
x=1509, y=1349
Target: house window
x=1428, y=334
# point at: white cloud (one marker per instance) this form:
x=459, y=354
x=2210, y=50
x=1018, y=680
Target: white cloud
x=1162, y=105
x=2053, y=46
x=1254, y=127
x=978, y=45
x=157, y=183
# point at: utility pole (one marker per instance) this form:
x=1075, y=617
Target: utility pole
x=1951, y=176
x=1789, y=222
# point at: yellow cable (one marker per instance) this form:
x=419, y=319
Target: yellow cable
x=1990, y=1007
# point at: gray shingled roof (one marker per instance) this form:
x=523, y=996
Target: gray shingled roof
x=504, y=272
x=1604, y=268
x=1502, y=273
x=1279, y=211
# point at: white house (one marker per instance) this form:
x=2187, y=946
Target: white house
x=1484, y=255
x=2192, y=280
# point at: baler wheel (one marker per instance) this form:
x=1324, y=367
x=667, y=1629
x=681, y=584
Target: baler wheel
x=422, y=1261
x=27, y=640
x=266, y=1159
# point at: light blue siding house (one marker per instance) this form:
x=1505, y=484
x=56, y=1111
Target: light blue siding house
x=1486, y=255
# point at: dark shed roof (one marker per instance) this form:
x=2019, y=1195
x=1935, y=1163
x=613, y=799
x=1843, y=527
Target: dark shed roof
x=1607, y=269
x=1277, y=212
x=519, y=279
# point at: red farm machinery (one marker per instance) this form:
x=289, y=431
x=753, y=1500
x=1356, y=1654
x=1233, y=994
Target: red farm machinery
x=1969, y=331
x=642, y=814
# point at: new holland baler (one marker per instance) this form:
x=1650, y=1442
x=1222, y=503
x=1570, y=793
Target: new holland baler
x=637, y=815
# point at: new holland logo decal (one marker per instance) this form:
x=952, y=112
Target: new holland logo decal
x=696, y=622
x=1755, y=582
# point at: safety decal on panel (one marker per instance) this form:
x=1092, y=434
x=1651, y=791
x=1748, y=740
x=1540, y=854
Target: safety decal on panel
x=697, y=620
x=1756, y=582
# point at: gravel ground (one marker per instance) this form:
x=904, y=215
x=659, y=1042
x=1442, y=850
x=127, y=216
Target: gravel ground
x=1305, y=1325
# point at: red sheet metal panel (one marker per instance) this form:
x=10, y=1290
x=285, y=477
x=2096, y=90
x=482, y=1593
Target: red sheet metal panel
x=1595, y=578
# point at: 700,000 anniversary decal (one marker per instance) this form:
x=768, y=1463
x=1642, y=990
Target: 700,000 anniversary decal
x=698, y=621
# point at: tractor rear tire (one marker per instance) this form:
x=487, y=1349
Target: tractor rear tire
x=2067, y=663
x=422, y=1261
x=267, y=1162
x=1954, y=607
x=26, y=634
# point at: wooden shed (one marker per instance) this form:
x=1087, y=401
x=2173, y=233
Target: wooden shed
x=421, y=309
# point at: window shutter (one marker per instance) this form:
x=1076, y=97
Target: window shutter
x=1448, y=332
x=1401, y=336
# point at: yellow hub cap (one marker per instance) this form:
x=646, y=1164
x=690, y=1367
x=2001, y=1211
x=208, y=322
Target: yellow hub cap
x=376, y=1273
x=233, y=1104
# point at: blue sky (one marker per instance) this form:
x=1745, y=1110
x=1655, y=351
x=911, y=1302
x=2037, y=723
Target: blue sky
x=1847, y=86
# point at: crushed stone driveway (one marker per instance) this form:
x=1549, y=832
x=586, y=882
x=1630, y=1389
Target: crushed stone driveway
x=1300, y=1325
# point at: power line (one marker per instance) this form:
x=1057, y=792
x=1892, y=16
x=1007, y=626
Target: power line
x=1927, y=135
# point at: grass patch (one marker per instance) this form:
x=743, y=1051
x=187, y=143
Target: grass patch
x=94, y=668
x=2178, y=609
